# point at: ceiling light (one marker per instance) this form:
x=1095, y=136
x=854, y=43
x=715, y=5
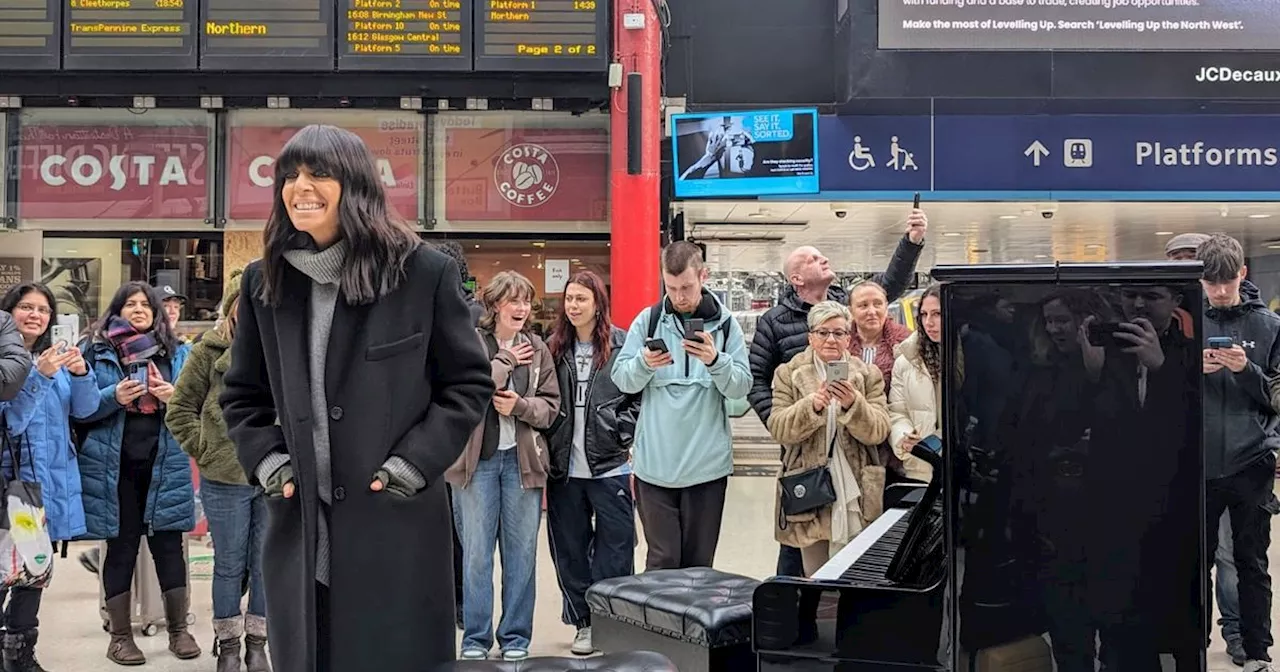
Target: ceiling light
x=526, y=254
x=951, y=234
x=1094, y=246
x=539, y=243
x=576, y=261
x=1164, y=233
x=1259, y=215
x=1008, y=216
x=1042, y=256
x=477, y=246
x=1274, y=246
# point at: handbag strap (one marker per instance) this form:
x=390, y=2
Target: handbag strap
x=831, y=447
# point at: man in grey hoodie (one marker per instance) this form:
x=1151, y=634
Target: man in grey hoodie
x=15, y=361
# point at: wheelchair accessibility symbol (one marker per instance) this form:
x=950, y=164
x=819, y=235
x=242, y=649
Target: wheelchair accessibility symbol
x=860, y=158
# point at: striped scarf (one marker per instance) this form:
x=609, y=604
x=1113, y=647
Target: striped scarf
x=134, y=347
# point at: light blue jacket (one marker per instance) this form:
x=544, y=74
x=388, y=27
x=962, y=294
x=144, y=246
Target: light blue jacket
x=39, y=417
x=683, y=436
x=171, y=503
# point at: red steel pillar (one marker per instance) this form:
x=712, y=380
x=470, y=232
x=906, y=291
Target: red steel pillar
x=634, y=219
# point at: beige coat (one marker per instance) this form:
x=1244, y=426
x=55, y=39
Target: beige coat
x=913, y=405
x=803, y=435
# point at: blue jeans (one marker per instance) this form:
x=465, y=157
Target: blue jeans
x=495, y=507
x=1226, y=582
x=237, y=515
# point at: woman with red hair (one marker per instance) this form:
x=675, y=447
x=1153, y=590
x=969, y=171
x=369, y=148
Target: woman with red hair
x=590, y=474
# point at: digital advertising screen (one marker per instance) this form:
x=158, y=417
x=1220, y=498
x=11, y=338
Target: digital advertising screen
x=542, y=35
x=746, y=153
x=405, y=35
x=29, y=34
x=129, y=35
x=1079, y=25
x=268, y=34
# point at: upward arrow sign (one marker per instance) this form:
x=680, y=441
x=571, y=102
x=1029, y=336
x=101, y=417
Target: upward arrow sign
x=1036, y=151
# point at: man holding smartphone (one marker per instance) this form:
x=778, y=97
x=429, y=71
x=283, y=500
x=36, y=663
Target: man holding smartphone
x=15, y=361
x=1241, y=433
x=687, y=356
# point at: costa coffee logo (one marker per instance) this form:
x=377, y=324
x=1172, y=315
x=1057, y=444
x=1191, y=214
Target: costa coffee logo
x=262, y=171
x=526, y=175
x=116, y=172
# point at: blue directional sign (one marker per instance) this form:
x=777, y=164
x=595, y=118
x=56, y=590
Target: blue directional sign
x=874, y=153
x=1107, y=156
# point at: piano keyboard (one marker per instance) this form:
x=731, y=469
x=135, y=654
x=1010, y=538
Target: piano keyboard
x=877, y=542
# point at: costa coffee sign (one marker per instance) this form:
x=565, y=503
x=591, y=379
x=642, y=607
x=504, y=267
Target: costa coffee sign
x=526, y=174
x=113, y=172
x=253, y=150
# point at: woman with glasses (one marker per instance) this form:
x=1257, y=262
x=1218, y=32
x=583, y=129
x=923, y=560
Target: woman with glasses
x=829, y=412
x=59, y=386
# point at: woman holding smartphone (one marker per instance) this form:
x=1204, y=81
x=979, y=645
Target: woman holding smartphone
x=60, y=386
x=829, y=412
x=915, y=393
x=137, y=480
x=236, y=510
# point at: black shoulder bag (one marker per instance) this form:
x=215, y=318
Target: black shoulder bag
x=808, y=490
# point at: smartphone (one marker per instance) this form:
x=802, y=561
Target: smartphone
x=1103, y=335
x=933, y=443
x=63, y=337
x=837, y=370
x=656, y=345
x=692, y=327
x=138, y=373
x=1220, y=343
x=915, y=202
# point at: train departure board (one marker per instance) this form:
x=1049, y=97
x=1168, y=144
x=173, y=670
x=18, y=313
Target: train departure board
x=266, y=35
x=404, y=35
x=30, y=34
x=525, y=35
x=129, y=35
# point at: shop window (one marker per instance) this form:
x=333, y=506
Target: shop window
x=255, y=138
x=520, y=171
x=84, y=274
x=113, y=169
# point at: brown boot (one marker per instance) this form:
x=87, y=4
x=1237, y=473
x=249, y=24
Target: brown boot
x=122, y=650
x=255, y=644
x=181, y=643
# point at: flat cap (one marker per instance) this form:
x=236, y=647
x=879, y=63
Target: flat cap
x=1185, y=241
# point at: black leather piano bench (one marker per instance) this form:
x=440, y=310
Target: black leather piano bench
x=630, y=661
x=698, y=617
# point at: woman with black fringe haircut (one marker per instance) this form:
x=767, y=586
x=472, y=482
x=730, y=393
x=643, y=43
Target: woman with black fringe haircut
x=136, y=479
x=355, y=380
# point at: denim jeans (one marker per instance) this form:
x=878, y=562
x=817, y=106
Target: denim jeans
x=495, y=507
x=1225, y=581
x=237, y=515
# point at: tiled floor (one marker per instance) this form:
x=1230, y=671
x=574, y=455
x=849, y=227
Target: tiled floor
x=72, y=639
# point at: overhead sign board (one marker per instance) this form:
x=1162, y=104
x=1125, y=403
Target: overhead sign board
x=129, y=35
x=1079, y=25
x=405, y=35
x=1099, y=153
x=542, y=35
x=267, y=34
x=30, y=34
x=745, y=153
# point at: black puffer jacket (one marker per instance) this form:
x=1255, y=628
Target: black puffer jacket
x=15, y=361
x=1240, y=425
x=611, y=417
x=783, y=331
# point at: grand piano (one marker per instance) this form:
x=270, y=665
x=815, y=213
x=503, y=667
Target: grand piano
x=1063, y=527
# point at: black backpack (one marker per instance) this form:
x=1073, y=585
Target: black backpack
x=655, y=314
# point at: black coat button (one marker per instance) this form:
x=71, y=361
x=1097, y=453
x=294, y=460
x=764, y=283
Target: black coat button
x=335, y=413
x=339, y=493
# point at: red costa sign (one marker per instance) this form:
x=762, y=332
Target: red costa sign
x=535, y=174
x=113, y=172
x=253, y=150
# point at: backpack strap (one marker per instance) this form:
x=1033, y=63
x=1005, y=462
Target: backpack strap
x=655, y=314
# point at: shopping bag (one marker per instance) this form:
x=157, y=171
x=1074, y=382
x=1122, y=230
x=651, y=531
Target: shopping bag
x=26, y=552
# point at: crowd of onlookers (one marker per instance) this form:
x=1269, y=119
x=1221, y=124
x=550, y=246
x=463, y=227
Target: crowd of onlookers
x=352, y=333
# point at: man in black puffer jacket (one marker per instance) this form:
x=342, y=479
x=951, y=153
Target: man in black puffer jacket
x=15, y=361
x=783, y=331
x=1241, y=433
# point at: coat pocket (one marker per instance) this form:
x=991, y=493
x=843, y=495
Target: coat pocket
x=387, y=350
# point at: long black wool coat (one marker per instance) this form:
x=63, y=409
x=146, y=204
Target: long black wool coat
x=404, y=376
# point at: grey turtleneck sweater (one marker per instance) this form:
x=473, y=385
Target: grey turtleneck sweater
x=324, y=268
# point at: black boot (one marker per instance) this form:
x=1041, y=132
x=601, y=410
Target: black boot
x=20, y=651
x=255, y=644
x=226, y=643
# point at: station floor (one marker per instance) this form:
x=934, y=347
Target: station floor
x=72, y=639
